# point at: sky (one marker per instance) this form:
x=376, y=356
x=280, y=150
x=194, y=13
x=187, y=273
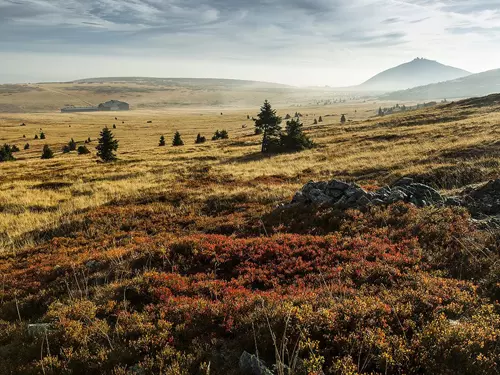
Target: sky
x=298, y=42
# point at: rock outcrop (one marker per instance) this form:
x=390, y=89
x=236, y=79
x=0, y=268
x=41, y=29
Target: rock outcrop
x=349, y=195
x=251, y=365
x=483, y=202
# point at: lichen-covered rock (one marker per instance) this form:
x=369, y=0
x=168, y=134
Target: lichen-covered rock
x=484, y=199
x=345, y=195
x=251, y=365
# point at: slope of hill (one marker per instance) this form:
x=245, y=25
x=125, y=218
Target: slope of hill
x=184, y=82
x=474, y=85
x=418, y=72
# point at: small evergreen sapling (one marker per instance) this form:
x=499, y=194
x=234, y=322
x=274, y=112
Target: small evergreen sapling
x=162, y=141
x=47, y=152
x=82, y=150
x=107, y=146
x=177, y=141
x=42, y=135
x=200, y=139
x=14, y=148
x=342, y=119
x=27, y=146
x=36, y=136
x=6, y=153
x=72, y=145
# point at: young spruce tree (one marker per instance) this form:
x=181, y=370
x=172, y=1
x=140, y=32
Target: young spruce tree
x=6, y=153
x=295, y=139
x=177, y=141
x=47, y=152
x=268, y=124
x=107, y=146
x=72, y=145
x=162, y=141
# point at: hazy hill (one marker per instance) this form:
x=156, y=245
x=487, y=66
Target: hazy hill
x=184, y=82
x=474, y=85
x=418, y=72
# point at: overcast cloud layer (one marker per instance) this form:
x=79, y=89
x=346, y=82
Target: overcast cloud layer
x=304, y=42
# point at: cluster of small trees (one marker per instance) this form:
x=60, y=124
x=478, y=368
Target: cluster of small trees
x=200, y=139
x=268, y=123
x=220, y=135
x=177, y=140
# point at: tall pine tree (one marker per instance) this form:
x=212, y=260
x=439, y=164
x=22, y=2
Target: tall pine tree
x=268, y=124
x=107, y=145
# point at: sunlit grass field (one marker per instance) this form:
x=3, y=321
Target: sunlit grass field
x=39, y=194
x=173, y=260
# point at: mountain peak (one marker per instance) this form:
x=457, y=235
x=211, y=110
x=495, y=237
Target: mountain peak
x=418, y=72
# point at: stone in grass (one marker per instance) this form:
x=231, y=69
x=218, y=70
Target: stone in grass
x=251, y=365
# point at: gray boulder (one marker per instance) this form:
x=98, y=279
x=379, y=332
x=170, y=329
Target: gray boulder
x=251, y=365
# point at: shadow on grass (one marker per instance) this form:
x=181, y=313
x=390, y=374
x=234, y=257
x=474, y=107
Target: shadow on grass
x=248, y=158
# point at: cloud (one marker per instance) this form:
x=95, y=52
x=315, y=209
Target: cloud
x=340, y=34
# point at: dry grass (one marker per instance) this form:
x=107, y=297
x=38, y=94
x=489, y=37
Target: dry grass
x=370, y=151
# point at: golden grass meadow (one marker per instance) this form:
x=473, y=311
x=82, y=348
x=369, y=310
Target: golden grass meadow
x=171, y=261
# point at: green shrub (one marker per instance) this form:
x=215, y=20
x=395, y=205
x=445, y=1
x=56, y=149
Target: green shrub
x=27, y=146
x=82, y=150
x=47, y=153
x=223, y=134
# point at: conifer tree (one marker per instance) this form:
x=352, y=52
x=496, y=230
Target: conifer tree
x=6, y=153
x=200, y=139
x=162, y=141
x=27, y=146
x=47, y=152
x=42, y=135
x=177, y=141
x=268, y=124
x=320, y=119
x=72, y=145
x=107, y=146
x=315, y=122
x=36, y=136
x=82, y=150
x=342, y=119
x=295, y=139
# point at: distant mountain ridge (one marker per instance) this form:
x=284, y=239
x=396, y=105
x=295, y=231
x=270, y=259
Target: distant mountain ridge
x=213, y=82
x=415, y=73
x=480, y=84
